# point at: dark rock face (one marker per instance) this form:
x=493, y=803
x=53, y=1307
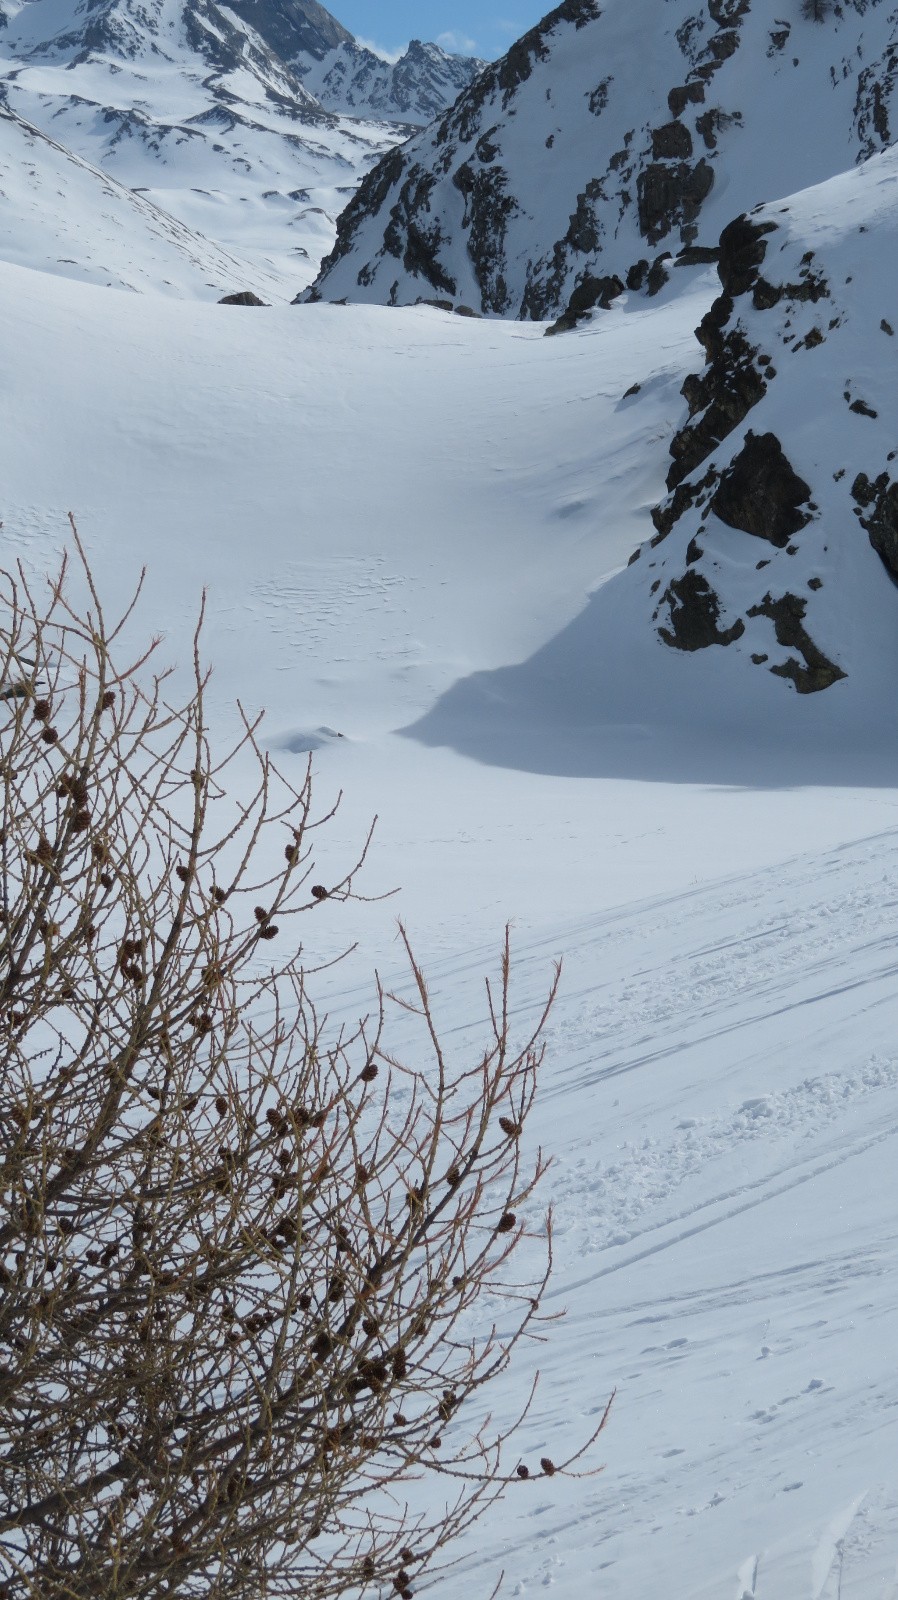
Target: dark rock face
x=743, y=246
x=684, y=95
x=694, y=614
x=589, y=294
x=244, y=298
x=684, y=497
x=488, y=207
x=814, y=671
x=291, y=26
x=673, y=142
x=722, y=396
x=760, y=494
x=671, y=195
x=878, y=504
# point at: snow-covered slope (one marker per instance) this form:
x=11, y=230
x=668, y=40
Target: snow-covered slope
x=767, y=593
x=721, y=1088
x=612, y=136
x=190, y=105
x=415, y=88
x=790, y=444
x=63, y=216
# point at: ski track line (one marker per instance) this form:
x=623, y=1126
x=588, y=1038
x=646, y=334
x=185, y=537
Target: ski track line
x=798, y=1180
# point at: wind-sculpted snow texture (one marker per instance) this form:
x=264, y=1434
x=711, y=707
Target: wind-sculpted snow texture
x=611, y=139
x=782, y=515
x=193, y=106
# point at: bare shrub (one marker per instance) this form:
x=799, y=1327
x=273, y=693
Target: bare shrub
x=240, y=1248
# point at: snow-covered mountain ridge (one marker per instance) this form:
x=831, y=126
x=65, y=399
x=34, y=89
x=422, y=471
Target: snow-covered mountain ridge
x=611, y=138
x=204, y=108
x=415, y=88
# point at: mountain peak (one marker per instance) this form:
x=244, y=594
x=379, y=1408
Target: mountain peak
x=292, y=27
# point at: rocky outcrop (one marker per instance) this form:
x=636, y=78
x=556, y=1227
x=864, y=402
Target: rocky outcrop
x=791, y=424
x=876, y=506
x=244, y=297
x=694, y=613
x=590, y=293
x=670, y=195
x=760, y=494
x=814, y=671
x=294, y=28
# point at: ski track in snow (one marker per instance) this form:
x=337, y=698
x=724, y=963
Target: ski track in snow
x=749, y=1346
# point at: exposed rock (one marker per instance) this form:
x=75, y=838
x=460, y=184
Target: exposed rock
x=672, y=142
x=879, y=500
x=815, y=671
x=293, y=26
x=686, y=94
x=760, y=494
x=617, y=171
x=589, y=294
x=244, y=298
x=724, y=394
x=727, y=13
x=657, y=276
x=694, y=614
x=353, y=81
x=697, y=255
x=743, y=246
x=671, y=195
x=684, y=497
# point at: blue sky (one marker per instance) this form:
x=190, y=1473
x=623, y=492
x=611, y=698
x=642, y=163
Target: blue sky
x=476, y=27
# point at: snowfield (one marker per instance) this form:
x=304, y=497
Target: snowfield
x=385, y=505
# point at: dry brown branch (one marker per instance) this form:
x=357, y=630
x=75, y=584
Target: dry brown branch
x=240, y=1252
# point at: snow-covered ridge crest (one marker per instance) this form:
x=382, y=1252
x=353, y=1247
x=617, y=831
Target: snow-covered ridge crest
x=611, y=139
x=416, y=88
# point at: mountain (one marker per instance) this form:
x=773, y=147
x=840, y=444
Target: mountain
x=63, y=216
x=193, y=107
x=298, y=30
x=415, y=88
x=612, y=139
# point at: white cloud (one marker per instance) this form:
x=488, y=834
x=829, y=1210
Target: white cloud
x=457, y=44
x=378, y=50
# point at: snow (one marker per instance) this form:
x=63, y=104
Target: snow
x=220, y=136
x=413, y=529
